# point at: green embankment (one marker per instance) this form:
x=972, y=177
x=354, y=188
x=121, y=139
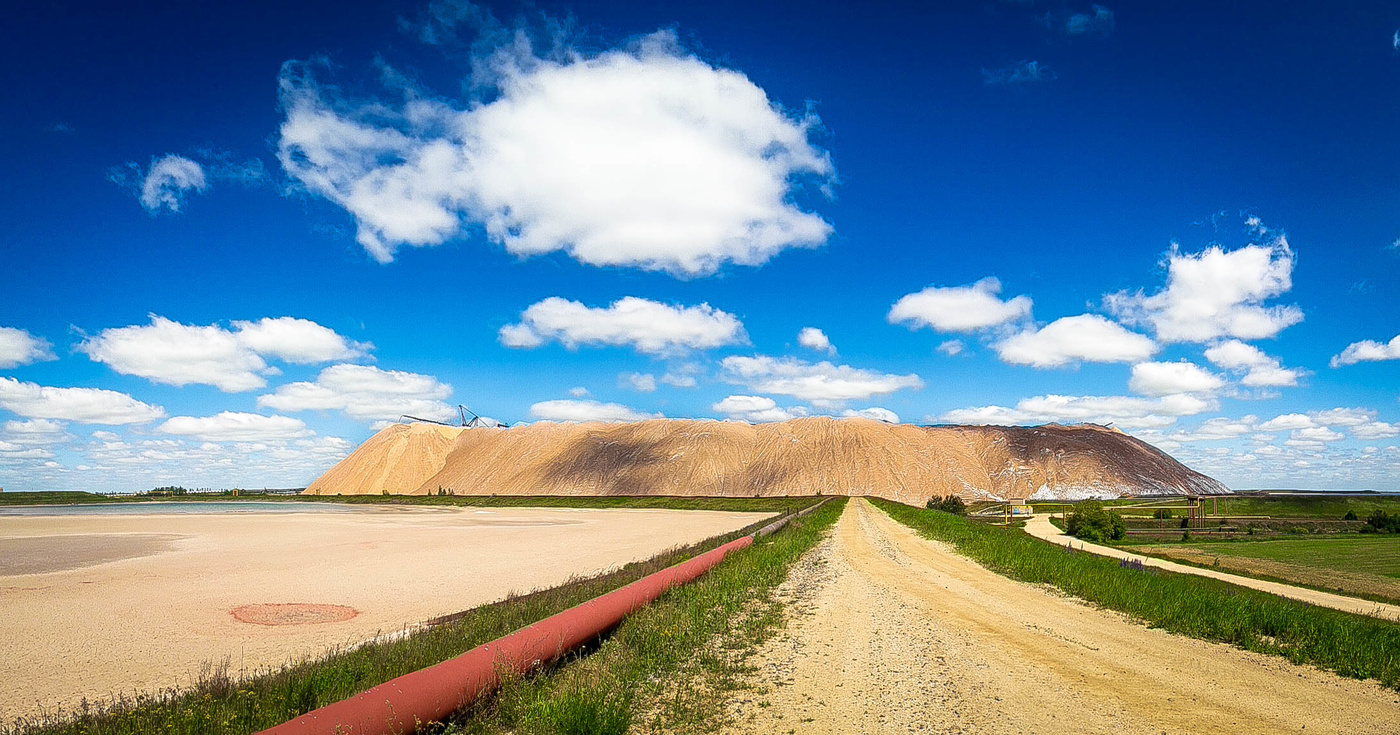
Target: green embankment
x=1377, y=554
x=1351, y=645
x=693, y=630
x=51, y=498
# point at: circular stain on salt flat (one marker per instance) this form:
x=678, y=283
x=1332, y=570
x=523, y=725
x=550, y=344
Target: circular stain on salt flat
x=292, y=613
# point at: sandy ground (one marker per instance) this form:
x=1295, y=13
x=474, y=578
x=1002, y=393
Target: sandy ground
x=1040, y=527
x=158, y=602
x=898, y=634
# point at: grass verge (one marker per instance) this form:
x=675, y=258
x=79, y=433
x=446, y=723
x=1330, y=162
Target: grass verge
x=670, y=666
x=221, y=704
x=1351, y=645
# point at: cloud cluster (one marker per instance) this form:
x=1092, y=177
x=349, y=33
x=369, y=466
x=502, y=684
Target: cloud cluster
x=585, y=410
x=646, y=157
x=1259, y=369
x=1087, y=338
x=83, y=405
x=1365, y=351
x=823, y=383
x=1216, y=294
x=1126, y=412
x=959, y=308
x=365, y=393
x=232, y=360
x=18, y=347
x=646, y=326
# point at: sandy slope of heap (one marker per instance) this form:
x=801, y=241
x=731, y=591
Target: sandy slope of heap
x=713, y=458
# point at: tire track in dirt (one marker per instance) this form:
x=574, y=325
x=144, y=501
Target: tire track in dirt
x=898, y=634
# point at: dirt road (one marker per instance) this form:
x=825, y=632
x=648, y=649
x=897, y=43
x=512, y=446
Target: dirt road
x=897, y=634
x=1041, y=527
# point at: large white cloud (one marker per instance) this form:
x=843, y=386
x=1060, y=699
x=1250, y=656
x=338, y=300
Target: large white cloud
x=1167, y=378
x=1216, y=294
x=172, y=353
x=1259, y=369
x=959, y=308
x=18, y=347
x=571, y=410
x=1368, y=351
x=236, y=427
x=84, y=405
x=646, y=157
x=647, y=326
x=1086, y=338
x=365, y=392
x=755, y=409
x=167, y=180
x=1127, y=412
x=821, y=383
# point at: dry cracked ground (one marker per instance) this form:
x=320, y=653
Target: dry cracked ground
x=893, y=633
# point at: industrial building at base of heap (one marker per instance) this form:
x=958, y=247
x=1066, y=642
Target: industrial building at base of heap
x=808, y=456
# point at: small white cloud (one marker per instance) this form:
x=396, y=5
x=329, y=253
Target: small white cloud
x=679, y=379
x=298, y=341
x=1097, y=22
x=646, y=326
x=1287, y=422
x=815, y=339
x=640, y=382
x=167, y=180
x=18, y=347
x=578, y=392
x=1260, y=370
x=365, y=393
x=1216, y=294
x=1317, y=434
x=168, y=352
x=83, y=405
x=1083, y=338
x=874, y=413
x=959, y=308
x=236, y=427
x=1022, y=72
x=822, y=383
x=1368, y=351
x=647, y=157
x=580, y=411
x=1167, y=378
x=951, y=347
x=755, y=409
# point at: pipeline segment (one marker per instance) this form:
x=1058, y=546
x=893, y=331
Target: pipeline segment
x=401, y=705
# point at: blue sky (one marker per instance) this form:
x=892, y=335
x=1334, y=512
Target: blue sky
x=238, y=240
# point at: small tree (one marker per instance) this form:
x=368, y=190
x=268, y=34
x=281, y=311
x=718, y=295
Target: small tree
x=948, y=504
x=1350, y=516
x=1092, y=522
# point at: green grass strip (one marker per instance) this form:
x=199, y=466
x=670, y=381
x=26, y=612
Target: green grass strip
x=668, y=667
x=224, y=705
x=1351, y=645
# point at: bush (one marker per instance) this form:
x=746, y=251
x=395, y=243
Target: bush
x=948, y=504
x=1091, y=522
x=1350, y=516
x=1384, y=522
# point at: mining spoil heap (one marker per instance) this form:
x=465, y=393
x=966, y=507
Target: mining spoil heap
x=908, y=464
